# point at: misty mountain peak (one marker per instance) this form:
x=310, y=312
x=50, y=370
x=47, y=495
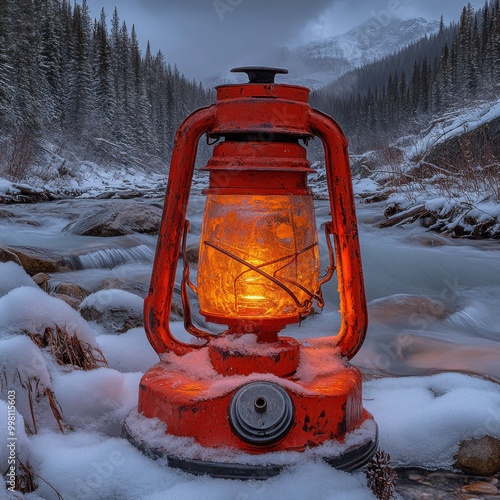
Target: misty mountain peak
x=321, y=61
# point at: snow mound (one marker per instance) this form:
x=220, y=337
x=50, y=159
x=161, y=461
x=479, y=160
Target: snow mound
x=422, y=420
x=31, y=310
x=129, y=352
x=97, y=400
x=114, y=298
x=13, y=276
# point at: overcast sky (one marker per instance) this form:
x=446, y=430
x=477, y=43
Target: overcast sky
x=207, y=37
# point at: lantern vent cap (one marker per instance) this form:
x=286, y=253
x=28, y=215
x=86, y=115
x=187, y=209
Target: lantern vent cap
x=260, y=74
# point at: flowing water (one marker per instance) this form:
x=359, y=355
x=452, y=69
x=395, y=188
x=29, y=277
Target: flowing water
x=433, y=301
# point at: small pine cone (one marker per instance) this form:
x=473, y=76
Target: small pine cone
x=381, y=476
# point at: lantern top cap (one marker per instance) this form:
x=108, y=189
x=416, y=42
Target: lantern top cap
x=260, y=74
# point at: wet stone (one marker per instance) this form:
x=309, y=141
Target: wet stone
x=479, y=456
x=419, y=484
x=6, y=214
x=6, y=255
x=39, y=260
x=42, y=280
x=72, y=290
x=71, y=301
x=480, y=488
x=117, y=220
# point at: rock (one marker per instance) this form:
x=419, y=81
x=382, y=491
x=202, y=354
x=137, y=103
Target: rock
x=193, y=254
x=71, y=301
x=72, y=290
x=135, y=287
x=117, y=219
x=442, y=485
x=5, y=214
x=429, y=240
x=401, y=308
x=126, y=195
x=28, y=222
x=6, y=255
x=141, y=289
x=42, y=280
x=116, y=311
x=480, y=488
x=106, y=195
x=479, y=456
x=40, y=260
x=22, y=193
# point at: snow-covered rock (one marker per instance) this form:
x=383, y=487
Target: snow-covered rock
x=115, y=310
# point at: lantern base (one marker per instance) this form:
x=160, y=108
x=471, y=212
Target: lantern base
x=347, y=457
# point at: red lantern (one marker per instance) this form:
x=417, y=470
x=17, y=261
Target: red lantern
x=259, y=271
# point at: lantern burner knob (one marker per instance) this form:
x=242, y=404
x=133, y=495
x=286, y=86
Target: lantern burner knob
x=260, y=74
x=261, y=413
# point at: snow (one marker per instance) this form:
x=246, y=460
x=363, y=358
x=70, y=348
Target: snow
x=453, y=124
x=421, y=419
x=31, y=310
x=87, y=179
x=364, y=185
x=7, y=187
x=91, y=466
x=113, y=298
x=92, y=180
x=129, y=352
x=97, y=400
x=13, y=276
x=22, y=443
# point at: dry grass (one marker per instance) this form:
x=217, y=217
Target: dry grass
x=25, y=477
x=69, y=349
x=35, y=393
x=25, y=480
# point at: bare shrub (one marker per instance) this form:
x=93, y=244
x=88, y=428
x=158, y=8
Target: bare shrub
x=23, y=153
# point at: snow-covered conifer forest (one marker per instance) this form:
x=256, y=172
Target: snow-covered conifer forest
x=73, y=87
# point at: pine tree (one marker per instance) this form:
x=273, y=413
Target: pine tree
x=140, y=107
x=49, y=36
x=79, y=95
x=6, y=87
x=105, y=103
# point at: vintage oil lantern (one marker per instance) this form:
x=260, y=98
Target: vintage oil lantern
x=250, y=390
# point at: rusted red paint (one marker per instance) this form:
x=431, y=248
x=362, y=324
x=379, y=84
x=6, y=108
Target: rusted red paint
x=279, y=358
x=323, y=407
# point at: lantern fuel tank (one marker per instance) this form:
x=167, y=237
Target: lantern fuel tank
x=243, y=390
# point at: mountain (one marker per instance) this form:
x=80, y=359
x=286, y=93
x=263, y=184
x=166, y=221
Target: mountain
x=320, y=62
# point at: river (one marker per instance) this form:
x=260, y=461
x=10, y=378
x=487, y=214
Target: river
x=433, y=301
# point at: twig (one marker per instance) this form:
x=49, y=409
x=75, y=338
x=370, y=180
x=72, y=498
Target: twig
x=29, y=469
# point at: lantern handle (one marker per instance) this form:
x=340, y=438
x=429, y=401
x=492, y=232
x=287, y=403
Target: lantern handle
x=353, y=310
x=159, y=300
